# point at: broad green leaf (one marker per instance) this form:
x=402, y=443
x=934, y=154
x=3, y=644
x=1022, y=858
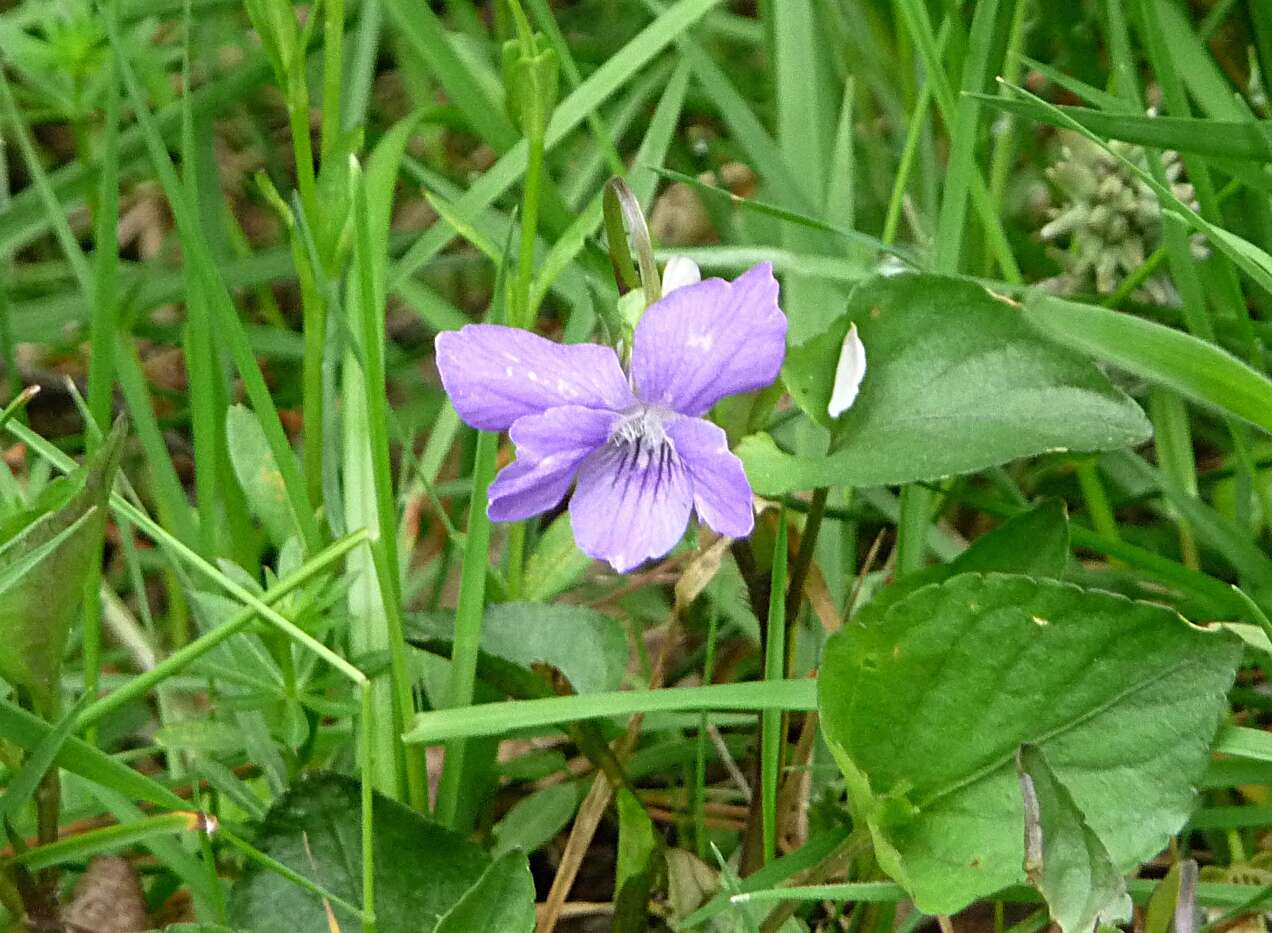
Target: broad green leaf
x=1192, y=367
x=421, y=868
x=925, y=708
x=585, y=645
x=556, y=563
x=536, y=818
x=1034, y=543
x=955, y=382
x=502, y=900
x=257, y=473
x=42, y=573
x=1065, y=859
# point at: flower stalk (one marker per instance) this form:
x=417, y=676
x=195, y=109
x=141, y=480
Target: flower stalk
x=530, y=80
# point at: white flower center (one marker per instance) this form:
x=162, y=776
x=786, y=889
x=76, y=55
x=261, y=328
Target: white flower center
x=641, y=439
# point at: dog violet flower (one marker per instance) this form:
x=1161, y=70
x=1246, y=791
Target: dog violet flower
x=636, y=445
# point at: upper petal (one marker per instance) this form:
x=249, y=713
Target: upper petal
x=705, y=341
x=550, y=446
x=495, y=375
x=721, y=491
x=849, y=372
x=679, y=272
x=631, y=504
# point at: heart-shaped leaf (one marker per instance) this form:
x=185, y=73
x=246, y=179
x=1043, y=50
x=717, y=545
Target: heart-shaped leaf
x=502, y=900
x=1034, y=543
x=926, y=706
x=585, y=645
x=956, y=382
x=421, y=869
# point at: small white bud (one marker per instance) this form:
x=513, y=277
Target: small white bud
x=849, y=372
x=679, y=272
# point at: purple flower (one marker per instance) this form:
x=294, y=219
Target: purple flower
x=638, y=446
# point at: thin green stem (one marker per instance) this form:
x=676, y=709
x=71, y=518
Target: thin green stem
x=368, y=803
x=468, y=619
x=314, y=325
x=909, y=153
x=912, y=528
x=106, y=839
x=1097, y=499
x=206, y=402
x=529, y=229
x=383, y=543
x=332, y=76
x=804, y=561
x=771, y=719
x=101, y=369
x=700, y=752
x=8, y=353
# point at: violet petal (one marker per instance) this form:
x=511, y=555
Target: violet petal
x=495, y=375
x=550, y=446
x=706, y=341
x=721, y=491
x=631, y=504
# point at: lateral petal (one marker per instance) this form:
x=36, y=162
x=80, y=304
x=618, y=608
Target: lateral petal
x=495, y=375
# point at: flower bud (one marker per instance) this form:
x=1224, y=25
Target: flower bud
x=530, y=82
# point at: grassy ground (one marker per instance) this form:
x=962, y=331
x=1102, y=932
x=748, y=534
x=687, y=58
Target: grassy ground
x=289, y=676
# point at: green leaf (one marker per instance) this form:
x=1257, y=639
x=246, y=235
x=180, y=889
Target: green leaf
x=258, y=474
x=556, y=563
x=1034, y=543
x=422, y=869
x=617, y=70
x=77, y=756
x=42, y=573
x=585, y=645
x=536, y=818
x=502, y=900
x=962, y=673
x=955, y=382
x=201, y=735
x=638, y=861
x=1198, y=370
x=1165, y=900
x=1064, y=858
x=1227, y=139
x=501, y=718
